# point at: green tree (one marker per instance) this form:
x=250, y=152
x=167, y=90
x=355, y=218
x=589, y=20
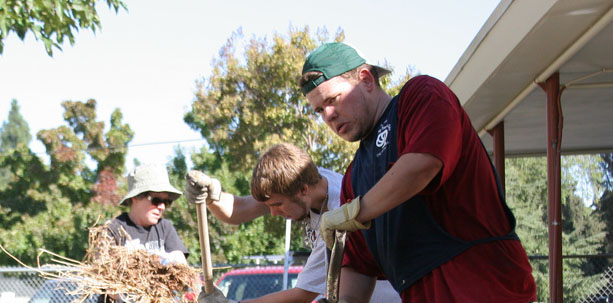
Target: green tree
x=586, y=171
x=50, y=21
x=607, y=169
x=605, y=205
x=52, y=205
x=606, y=210
x=249, y=104
x=582, y=230
x=14, y=132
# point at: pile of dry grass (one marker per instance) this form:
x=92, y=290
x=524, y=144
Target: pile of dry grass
x=140, y=277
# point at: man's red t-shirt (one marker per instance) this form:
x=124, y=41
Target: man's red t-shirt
x=463, y=199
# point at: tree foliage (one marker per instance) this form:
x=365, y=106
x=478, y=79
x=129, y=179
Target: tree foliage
x=583, y=231
x=606, y=209
x=607, y=170
x=605, y=205
x=50, y=21
x=251, y=103
x=14, y=132
x=51, y=205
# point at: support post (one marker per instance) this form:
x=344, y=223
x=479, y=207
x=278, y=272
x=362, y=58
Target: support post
x=554, y=135
x=497, y=134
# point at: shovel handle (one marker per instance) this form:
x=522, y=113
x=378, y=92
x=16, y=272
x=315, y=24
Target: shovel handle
x=334, y=268
x=205, y=248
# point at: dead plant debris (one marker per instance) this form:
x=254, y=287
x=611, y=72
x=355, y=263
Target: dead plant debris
x=139, y=276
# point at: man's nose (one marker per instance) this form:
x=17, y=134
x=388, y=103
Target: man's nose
x=329, y=113
x=275, y=211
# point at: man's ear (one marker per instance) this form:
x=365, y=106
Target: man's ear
x=366, y=78
x=304, y=190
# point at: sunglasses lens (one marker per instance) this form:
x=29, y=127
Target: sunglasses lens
x=157, y=201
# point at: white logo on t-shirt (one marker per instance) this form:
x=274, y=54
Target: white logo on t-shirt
x=382, y=140
x=151, y=246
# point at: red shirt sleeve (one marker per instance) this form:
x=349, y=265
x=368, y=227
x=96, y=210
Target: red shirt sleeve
x=430, y=119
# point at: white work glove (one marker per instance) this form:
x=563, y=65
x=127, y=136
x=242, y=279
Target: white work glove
x=215, y=297
x=201, y=188
x=342, y=218
x=170, y=258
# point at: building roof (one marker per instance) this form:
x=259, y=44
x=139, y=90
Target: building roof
x=523, y=43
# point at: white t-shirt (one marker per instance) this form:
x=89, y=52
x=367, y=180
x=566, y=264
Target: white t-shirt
x=313, y=275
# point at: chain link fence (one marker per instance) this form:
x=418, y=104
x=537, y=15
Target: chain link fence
x=587, y=279
x=18, y=284
x=602, y=291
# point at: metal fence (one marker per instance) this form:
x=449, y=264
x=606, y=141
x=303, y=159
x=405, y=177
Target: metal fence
x=18, y=284
x=603, y=290
x=587, y=279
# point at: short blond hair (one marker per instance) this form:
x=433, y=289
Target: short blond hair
x=283, y=169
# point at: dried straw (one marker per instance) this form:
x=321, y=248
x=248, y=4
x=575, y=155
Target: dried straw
x=137, y=275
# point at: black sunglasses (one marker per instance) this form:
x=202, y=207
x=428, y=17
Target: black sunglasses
x=157, y=201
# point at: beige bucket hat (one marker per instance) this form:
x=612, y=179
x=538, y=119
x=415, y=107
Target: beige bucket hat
x=149, y=177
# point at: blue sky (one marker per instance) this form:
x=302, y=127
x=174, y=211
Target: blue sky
x=146, y=61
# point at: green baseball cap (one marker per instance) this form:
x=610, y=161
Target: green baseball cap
x=333, y=59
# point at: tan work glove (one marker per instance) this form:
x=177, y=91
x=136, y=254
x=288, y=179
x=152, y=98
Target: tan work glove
x=200, y=188
x=342, y=218
x=214, y=297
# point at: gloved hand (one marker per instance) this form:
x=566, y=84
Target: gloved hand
x=342, y=218
x=165, y=258
x=171, y=257
x=201, y=188
x=215, y=297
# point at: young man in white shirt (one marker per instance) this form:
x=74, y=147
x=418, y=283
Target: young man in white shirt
x=285, y=182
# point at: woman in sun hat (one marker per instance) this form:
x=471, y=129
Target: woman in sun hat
x=149, y=195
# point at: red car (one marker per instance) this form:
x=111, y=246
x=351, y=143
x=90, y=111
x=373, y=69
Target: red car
x=248, y=283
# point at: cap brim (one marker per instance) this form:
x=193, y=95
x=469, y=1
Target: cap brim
x=381, y=71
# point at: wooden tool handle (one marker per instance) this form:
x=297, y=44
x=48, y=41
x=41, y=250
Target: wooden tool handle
x=205, y=248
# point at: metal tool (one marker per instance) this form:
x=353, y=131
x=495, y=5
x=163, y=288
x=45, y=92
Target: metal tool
x=334, y=268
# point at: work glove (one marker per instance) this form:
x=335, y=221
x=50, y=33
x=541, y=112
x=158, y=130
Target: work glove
x=201, y=188
x=170, y=258
x=342, y=218
x=215, y=297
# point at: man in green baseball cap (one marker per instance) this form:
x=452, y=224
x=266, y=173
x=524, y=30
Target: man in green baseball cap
x=420, y=198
